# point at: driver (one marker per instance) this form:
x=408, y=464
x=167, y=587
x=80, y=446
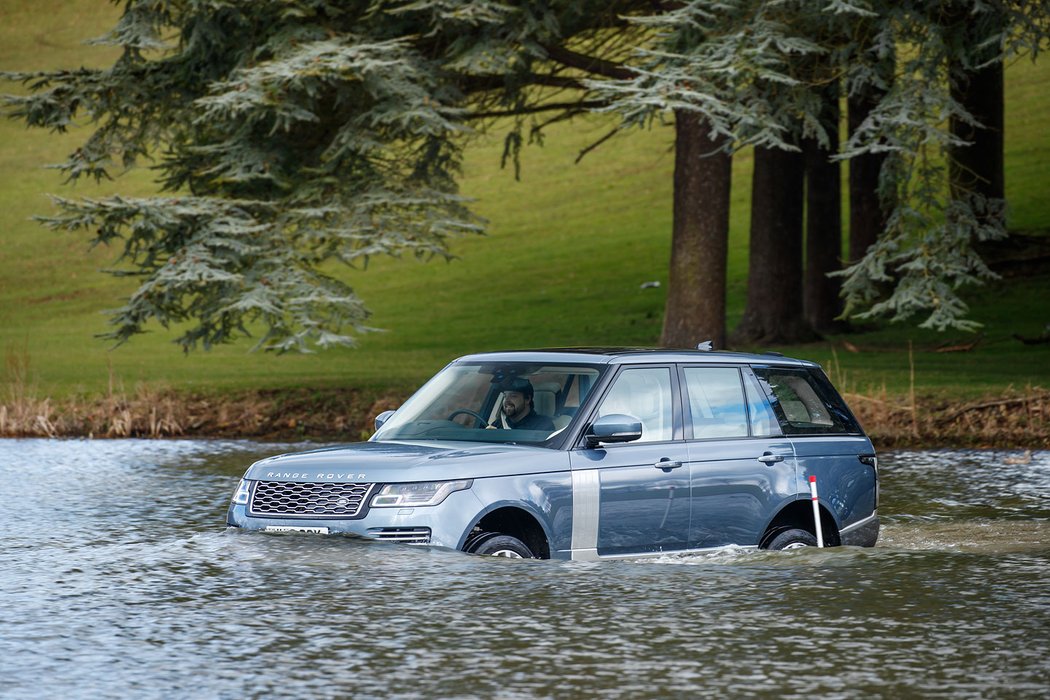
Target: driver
x=519, y=413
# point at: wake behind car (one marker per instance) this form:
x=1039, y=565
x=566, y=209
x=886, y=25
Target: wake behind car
x=588, y=454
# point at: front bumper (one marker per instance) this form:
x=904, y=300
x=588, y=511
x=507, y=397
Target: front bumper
x=444, y=525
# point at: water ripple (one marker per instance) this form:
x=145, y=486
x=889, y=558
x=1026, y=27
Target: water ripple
x=120, y=580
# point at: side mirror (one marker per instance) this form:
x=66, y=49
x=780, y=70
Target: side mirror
x=615, y=427
x=383, y=418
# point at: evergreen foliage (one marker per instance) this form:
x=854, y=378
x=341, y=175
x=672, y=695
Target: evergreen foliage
x=287, y=134
x=928, y=250
x=748, y=68
x=291, y=134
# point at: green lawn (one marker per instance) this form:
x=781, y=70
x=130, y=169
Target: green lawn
x=567, y=252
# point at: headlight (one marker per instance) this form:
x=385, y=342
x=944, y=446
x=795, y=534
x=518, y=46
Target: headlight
x=424, y=493
x=243, y=493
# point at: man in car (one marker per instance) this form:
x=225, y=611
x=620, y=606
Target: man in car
x=519, y=412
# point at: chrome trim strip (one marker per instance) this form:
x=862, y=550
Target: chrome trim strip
x=860, y=523
x=407, y=535
x=586, y=490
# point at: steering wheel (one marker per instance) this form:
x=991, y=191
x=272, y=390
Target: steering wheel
x=481, y=421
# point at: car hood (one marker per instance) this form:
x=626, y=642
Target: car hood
x=387, y=462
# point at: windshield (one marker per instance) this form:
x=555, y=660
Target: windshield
x=505, y=402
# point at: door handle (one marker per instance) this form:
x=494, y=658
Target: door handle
x=667, y=464
x=770, y=458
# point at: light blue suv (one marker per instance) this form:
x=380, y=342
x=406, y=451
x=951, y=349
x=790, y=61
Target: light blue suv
x=590, y=454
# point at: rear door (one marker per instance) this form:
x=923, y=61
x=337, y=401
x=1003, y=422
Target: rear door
x=827, y=440
x=643, y=486
x=742, y=468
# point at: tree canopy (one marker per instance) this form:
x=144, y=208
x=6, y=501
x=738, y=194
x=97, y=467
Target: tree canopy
x=291, y=134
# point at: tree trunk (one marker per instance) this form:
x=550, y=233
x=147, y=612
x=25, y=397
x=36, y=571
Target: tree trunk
x=975, y=170
x=978, y=167
x=823, y=222
x=774, y=314
x=696, y=294
x=867, y=216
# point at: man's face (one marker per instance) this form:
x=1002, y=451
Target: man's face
x=515, y=404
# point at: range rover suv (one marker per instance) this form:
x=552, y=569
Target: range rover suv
x=589, y=454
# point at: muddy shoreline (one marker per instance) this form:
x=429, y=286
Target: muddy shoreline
x=1015, y=419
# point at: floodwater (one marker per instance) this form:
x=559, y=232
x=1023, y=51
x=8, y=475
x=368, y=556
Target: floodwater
x=118, y=579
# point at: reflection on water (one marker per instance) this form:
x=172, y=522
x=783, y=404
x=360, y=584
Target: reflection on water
x=118, y=579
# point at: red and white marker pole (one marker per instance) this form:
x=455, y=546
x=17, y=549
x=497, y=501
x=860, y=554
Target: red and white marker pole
x=816, y=509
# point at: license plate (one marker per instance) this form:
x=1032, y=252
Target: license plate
x=293, y=528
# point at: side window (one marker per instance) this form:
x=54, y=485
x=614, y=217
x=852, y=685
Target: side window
x=803, y=403
x=645, y=393
x=763, y=421
x=716, y=402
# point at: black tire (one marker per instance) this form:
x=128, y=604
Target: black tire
x=793, y=539
x=493, y=544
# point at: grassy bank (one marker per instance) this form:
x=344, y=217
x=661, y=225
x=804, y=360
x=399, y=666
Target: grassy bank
x=568, y=250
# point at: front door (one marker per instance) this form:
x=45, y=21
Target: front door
x=643, y=486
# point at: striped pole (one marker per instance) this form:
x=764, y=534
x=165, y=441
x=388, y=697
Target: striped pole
x=816, y=509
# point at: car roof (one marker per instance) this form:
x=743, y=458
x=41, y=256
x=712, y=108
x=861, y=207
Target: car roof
x=628, y=355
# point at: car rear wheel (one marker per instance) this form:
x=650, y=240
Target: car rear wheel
x=494, y=544
x=794, y=538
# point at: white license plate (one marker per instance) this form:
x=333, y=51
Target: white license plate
x=293, y=528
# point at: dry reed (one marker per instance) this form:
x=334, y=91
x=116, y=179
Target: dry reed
x=1015, y=419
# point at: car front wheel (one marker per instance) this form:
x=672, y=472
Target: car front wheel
x=494, y=544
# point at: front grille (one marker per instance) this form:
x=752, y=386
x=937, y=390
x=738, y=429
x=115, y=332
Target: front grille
x=405, y=535
x=308, y=499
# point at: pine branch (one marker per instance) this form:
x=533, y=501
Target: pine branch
x=576, y=107
x=588, y=64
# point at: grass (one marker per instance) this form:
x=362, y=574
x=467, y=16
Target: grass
x=567, y=252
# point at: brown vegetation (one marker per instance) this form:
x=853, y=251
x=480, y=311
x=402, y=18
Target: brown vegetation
x=278, y=414
x=164, y=413
x=1017, y=419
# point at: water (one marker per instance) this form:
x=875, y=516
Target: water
x=118, y=579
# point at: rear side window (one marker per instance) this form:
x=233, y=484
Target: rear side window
x=764, y=422
x=716, y=402
x=804, y=402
